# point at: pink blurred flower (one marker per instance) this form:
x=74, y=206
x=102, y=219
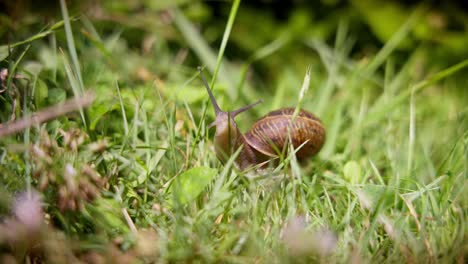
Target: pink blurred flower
x=27, y=208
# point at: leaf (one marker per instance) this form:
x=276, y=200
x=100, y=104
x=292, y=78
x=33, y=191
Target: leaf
x=352, y=172
x=3, y=52
x=57, y=95
x=191, y=183
x=97, y=111
x=40, y=93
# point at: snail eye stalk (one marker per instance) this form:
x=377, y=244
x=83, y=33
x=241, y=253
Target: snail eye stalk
x=245, y=108
x=208, y=89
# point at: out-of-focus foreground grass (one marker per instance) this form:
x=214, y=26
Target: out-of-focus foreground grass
x=132, y=177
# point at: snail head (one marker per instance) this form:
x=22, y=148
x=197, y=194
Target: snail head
x=224, y=119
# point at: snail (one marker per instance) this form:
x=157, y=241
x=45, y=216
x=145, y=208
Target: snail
x=268, y=138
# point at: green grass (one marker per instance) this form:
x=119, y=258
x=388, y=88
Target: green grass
x=134, y=177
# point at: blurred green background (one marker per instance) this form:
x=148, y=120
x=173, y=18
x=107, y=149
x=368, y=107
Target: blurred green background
x=271, y=44
x=441, y=32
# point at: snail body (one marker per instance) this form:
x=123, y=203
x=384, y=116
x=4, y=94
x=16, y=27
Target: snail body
x=268, y=137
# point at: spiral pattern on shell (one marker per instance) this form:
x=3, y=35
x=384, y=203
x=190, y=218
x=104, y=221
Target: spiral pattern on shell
x=270, y=133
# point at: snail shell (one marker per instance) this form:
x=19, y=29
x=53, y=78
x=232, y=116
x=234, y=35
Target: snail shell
x=268, y=137
x=270, y=133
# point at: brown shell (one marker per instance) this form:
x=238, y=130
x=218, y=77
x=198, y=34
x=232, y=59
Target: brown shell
x=269, y=134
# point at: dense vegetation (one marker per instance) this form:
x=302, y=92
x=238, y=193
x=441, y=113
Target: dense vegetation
x=126, y=173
